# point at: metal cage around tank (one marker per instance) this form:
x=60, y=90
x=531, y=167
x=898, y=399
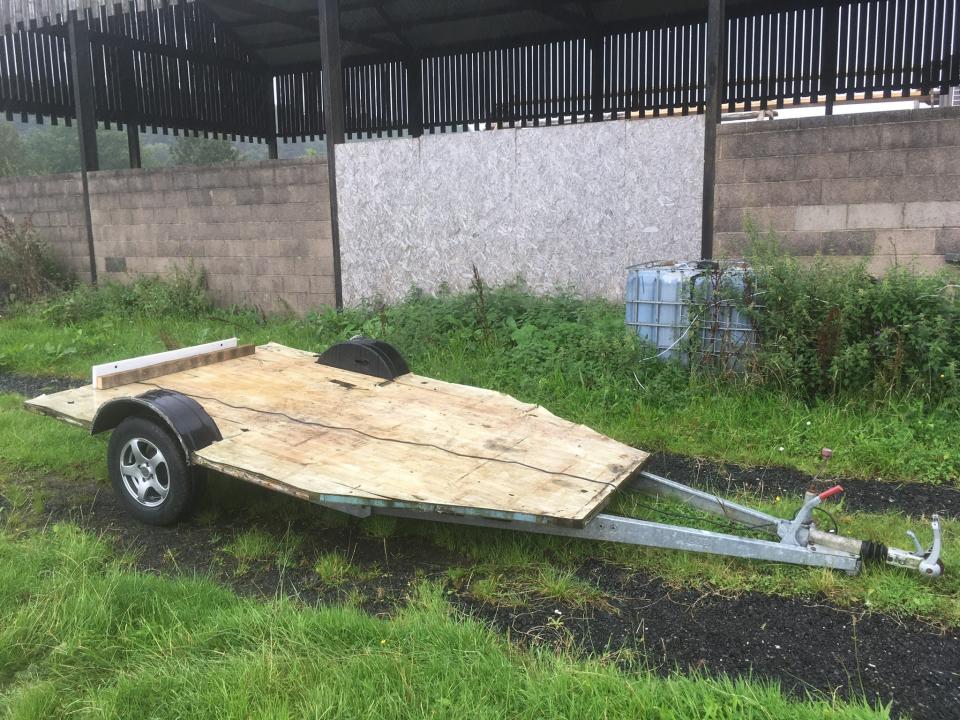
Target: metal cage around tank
x=689, y=309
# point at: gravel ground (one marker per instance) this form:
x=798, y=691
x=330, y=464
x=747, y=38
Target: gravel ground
x=30, y=386
x=801, y=644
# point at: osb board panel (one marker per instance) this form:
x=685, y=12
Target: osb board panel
x=334, y=436
x=564, y=206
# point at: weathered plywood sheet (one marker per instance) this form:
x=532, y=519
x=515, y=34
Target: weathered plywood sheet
x=330, y=435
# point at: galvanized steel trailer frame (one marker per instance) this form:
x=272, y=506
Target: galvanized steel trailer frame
x=799, y=541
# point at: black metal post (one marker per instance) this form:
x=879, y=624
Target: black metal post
x=596, y=77
x=133, y=145
x=332, y=64
x=828, y=56
x=716, y=30
x=81, y=69
x=128, y=97
x=415, y=96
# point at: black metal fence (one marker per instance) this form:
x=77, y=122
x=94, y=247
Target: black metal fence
x=34, y=75
x=173, y=67
x=816, y=54
x=169, y=66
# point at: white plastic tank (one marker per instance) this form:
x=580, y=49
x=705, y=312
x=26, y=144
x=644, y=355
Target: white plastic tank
x=657, y=303
x=663, y=301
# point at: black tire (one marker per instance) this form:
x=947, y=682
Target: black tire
x=159, y=495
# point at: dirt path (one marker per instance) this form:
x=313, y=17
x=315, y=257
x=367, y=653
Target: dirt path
x=803, y=645
x=800, y=644
x=912, y=499
x=30, y=386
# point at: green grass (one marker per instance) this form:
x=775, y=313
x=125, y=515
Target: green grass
x=82, y=635
x=503, y=584
x=256, y=545
x=336, y=569
x=34, y=442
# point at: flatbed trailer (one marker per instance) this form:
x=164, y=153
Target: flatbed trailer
x=353, y=430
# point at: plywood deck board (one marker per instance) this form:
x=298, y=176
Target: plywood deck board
x=335, y=436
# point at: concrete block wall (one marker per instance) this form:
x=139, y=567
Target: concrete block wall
x=883, y=186
x=54, y=204
x=261, y=230
x=567, y=207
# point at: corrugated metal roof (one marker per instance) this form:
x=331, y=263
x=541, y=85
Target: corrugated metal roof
x=285, y=32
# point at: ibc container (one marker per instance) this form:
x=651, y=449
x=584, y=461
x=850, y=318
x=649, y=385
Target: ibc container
x=665, y=300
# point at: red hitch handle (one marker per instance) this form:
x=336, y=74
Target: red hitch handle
x=829, y=493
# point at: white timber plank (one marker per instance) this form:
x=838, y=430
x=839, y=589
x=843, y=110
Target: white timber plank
x=157, y=358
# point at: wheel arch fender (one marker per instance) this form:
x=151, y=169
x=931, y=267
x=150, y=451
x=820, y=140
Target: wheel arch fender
x=184, y=417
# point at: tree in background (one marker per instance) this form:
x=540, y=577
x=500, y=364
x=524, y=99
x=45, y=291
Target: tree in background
x=202, y=151
x=11, y=150
x=155, y=154
x=50, y=149
x=56, y=149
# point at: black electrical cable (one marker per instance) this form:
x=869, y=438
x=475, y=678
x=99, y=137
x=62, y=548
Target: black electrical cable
x=414, y=443
x=836, y=528
x=310, y=423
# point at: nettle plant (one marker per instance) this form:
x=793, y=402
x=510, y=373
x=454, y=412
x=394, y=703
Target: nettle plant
x=724, y=313
x=827, y=328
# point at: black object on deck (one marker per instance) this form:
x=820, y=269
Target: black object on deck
x=366, y=356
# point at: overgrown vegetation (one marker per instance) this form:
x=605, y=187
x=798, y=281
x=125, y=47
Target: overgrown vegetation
x=832, y=330
x=28, y=270
x=182, y=294
x=572, y=356
x=54, y=149
x=202, y=151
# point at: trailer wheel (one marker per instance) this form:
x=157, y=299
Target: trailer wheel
x=149, y=472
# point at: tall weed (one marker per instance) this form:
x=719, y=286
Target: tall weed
x=829, y=329
x=28, y=269
x=182, y=294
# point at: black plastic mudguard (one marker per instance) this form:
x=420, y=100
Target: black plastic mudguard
x=184, y=416
x=366, y=356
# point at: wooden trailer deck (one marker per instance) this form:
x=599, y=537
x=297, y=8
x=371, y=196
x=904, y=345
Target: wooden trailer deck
x=333, y=436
